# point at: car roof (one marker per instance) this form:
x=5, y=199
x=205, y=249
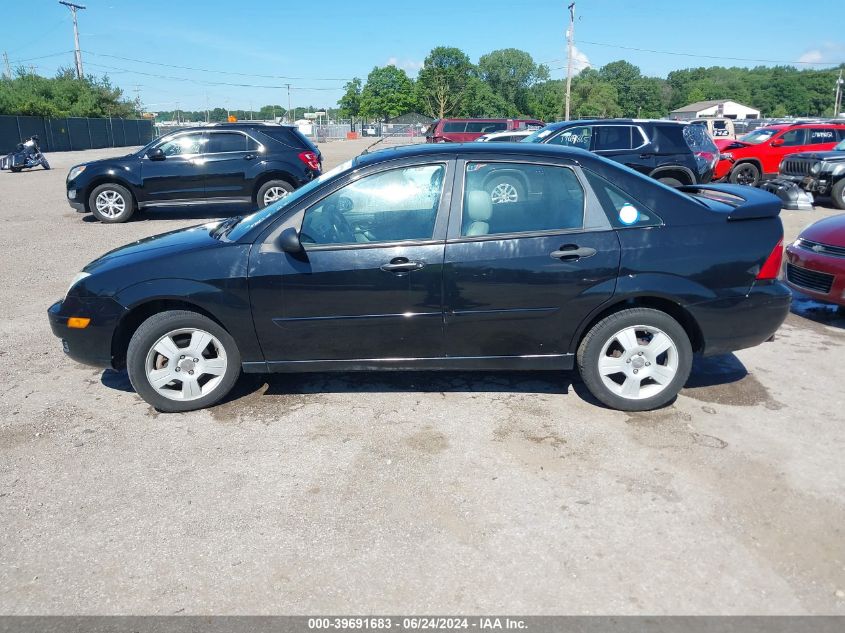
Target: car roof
x=234, y=126
x=454, y=149
x=509, y=133
x=562, y=124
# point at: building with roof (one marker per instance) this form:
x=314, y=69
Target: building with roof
x=717, y=108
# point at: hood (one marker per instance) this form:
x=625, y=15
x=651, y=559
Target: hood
x=827, y=231
x=728, y=144
x=157, y=246
x=828, y=157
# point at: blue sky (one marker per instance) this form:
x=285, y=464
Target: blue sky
x=319, y=45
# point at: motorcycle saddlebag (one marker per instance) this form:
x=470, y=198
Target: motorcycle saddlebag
x=6, y=161
x=792, y=196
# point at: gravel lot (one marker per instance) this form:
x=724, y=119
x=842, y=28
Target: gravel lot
x=387, y=493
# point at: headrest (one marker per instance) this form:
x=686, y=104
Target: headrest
x=479, y=207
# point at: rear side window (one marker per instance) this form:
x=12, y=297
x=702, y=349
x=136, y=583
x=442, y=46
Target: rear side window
x=454, y=126
x=606, y=137
x=486, y=127
x=622, y=210
x=290, y=136
x=822, y=135
x=503, y=198
x=220, y=142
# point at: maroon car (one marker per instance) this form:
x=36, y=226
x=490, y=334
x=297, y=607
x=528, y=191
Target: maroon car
x=467, y=130
x=815, y=262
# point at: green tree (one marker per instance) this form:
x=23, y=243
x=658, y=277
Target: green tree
x=481, y=101
x=388, y=93
x=594, y=97
x=443, y=80
x=510, y=72
x=350, y=102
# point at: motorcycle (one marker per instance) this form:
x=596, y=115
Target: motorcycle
x=26, y=156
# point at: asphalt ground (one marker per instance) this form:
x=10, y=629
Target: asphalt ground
x=404, y=493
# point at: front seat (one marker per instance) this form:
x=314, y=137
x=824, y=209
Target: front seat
x=479, y=210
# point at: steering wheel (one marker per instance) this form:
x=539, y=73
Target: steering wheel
x=343, y=231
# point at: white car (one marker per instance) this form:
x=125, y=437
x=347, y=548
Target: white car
x=508, y=136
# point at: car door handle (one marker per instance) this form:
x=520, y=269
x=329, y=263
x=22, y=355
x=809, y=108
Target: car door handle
x=401, y=265
x=570, y=252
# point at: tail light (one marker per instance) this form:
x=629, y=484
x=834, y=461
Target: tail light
x=710, y=158
x=771, y=267
x=311, y=160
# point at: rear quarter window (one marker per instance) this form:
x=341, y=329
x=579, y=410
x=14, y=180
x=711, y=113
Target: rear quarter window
x=289, y=136
x=622, y=210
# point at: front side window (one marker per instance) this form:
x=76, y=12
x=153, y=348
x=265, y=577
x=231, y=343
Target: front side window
x=391, y=206
x=184, y=144
x=574, y=137
x=794, y=137
x=502, y=198
x=607, y=137
x=220, y=142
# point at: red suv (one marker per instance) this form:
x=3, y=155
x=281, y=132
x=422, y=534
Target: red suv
x=757, y=155
x=467, y=130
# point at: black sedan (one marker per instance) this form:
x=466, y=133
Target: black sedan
x=400, y=260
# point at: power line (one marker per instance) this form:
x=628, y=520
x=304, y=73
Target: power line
x=32, y=59
x=204, y=82
x=219, y=72
x=718, y=57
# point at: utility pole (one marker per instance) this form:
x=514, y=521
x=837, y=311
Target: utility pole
x=570, y=36
x=73, y=9
x=837, y=101
x=288, y=113
x=6, y=64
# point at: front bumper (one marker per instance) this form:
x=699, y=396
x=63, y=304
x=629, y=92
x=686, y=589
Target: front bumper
x=93, y=344
x=734, y=323
x=73, y=199
x=818, y=263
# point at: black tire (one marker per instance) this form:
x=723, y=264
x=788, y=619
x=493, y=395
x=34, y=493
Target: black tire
x=509, y=184
x=837, y=193
x=268, y=186
x=670, y=182
x=151, y=332
x=16, y=169
x=745, y=174
x=45, y=164
x=605, y=332
x=123, y=200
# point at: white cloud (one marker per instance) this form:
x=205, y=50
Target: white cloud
x=408, y=65
x=827, y=53
x=580, y=61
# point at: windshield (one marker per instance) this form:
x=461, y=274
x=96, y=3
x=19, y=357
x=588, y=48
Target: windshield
x=840, y=146
x=242, y=226
x=537, y=135
x=759, y=136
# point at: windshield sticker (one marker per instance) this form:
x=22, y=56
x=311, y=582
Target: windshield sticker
x=628, y=214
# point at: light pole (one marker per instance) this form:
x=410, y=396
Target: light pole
x=570, y=35
x=73, y=8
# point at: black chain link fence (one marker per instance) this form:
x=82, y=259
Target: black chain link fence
x=66, y=134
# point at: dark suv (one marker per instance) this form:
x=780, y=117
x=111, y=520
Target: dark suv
x=673, y=152
x=253, y=163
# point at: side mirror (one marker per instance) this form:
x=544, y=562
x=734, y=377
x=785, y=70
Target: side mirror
x=777, y=142
x=156, y=154
x=289, y=241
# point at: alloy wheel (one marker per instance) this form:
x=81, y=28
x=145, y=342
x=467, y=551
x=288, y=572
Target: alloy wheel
x=503, y=193
x=186, y=364
x=638, y=362
x=110, y=203
x=273, y=194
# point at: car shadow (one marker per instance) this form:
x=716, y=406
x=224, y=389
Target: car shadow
x=198, y=212
x=816, y=311
x=706, y=372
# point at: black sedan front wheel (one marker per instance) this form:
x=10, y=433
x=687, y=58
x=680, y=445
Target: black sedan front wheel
x=182, y=361
x=636, y=359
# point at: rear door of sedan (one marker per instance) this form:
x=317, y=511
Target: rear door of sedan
x=520, y=277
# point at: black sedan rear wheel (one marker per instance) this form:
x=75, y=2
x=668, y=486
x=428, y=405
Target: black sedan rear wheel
x=636, y=359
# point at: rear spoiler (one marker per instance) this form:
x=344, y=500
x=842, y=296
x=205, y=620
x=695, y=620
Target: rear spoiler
x=747, y=203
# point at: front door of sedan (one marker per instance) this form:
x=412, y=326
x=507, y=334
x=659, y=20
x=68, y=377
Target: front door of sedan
x=520, y=277
x=175, y=173
x=228, y=158
x=368, y=283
